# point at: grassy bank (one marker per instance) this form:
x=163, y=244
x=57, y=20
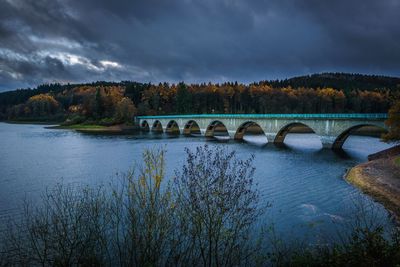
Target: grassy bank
x=99, y=129
x=397, y=161
x=79, y=127
x=380, y=179
x=37, y=120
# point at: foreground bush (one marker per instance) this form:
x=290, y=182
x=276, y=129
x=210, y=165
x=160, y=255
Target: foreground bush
x=367, y=240
x=67, y=229
x=143, y=217
x=364, y=247
x=218, y=206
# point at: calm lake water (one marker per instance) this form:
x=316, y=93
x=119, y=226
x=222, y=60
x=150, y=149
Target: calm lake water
x=303, y=182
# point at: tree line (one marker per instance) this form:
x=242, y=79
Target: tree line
x=345, y=81
x=258, y=98
x=115, y=102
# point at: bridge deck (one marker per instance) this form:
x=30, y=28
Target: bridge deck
x=271, y=116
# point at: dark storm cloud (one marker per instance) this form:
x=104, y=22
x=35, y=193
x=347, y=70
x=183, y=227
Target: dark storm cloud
x=194, y=40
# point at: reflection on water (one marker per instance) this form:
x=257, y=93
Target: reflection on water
x=302, y=181
x=257, y=140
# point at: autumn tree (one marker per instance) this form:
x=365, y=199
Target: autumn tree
x=393, y=122
x=125, y=110
x=110, y=97
x=142, y=213
x=99, y=100
x=42, y=105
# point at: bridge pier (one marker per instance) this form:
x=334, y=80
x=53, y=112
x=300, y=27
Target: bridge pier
x=327, y=141
x=270, y=138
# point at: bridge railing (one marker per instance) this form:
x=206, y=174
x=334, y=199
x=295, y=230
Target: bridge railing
x=270, y=116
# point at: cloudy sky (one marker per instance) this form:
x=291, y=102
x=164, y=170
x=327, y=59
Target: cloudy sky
x=44, y=41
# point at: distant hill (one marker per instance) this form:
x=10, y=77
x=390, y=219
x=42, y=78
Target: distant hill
x=19, y=96
x=106, y=101
x=340, y=81
x=344, y=81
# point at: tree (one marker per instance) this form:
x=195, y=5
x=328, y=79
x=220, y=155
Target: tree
x=393, y=122
x=217, y=207
x=110, y=97
x=42, y=105
x=66, y=229
x=125, y=110
x=183, y=99
x=97, y=104
x=143, y=228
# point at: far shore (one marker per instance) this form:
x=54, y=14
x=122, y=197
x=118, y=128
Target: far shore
x=39, y=122
x=122, y=128
x=99, y=129
x=380, y=178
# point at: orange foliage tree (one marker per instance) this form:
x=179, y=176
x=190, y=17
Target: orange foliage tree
x=393, y=122
x=42, y=105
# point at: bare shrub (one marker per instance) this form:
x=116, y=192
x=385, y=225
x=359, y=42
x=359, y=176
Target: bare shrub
x=66, y=229
x=217, y=207
x=143, y=215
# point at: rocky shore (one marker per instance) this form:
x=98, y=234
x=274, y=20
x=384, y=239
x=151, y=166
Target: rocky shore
x=380, y=178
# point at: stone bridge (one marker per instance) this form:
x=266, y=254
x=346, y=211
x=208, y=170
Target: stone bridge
x=332, y=129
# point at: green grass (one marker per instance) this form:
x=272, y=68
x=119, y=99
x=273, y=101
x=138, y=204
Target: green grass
x=81, y=127
x=85, y=126
x=397, y=161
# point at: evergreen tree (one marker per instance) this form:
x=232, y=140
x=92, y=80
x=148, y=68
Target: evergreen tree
x=98, y=104
x=183, y=99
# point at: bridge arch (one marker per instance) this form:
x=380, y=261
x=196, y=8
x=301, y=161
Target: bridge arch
x=144, y=126
x=172, y=127
x=281, y=135
x=249, y=127
x=157, y=127
x=191, y=127
x=216, y=128
x=341, y=139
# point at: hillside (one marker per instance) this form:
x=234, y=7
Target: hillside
x=344, y=81
x=115, y=101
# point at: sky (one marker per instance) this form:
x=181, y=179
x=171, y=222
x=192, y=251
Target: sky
x=70, y=41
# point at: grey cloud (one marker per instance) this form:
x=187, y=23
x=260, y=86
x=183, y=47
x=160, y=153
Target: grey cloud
x=193, y=40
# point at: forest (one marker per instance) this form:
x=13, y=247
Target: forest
x=116, y=102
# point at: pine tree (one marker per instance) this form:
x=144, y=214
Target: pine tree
x=183, y=99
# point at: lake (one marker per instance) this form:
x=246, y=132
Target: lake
x=303, y=182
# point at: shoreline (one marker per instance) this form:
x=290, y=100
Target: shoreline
x=380, y=179
x=98, y=129
x=44, y=122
